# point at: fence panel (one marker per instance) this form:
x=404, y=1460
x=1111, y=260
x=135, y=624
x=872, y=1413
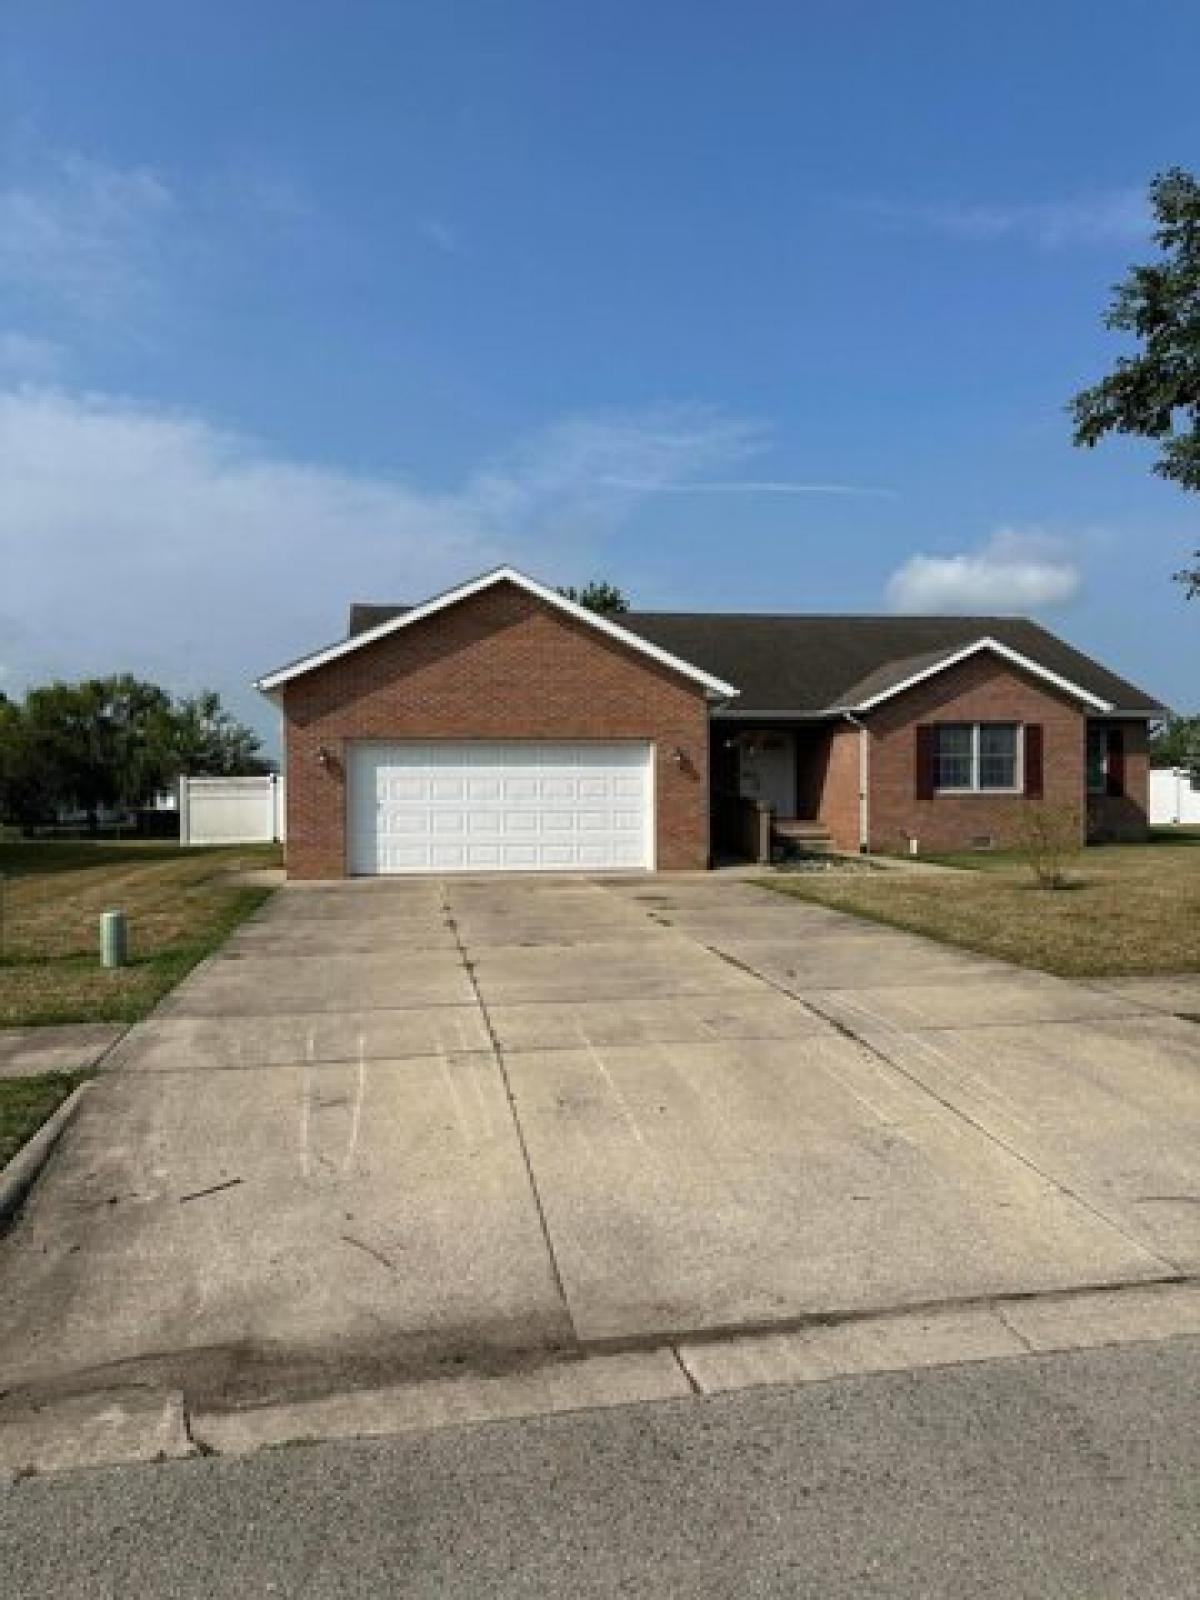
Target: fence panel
x=231, y=810
x=1174, y=796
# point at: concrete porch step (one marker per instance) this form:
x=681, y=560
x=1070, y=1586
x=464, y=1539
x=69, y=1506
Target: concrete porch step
x=801, y=833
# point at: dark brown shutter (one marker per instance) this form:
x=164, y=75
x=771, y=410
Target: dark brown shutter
x=924, y=761
x=1035, y=765
x=1115, y=784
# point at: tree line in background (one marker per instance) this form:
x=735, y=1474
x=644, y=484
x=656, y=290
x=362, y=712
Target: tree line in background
x=111, y=744
x=1176, y=743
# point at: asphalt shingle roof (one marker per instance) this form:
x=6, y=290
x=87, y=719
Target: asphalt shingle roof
x=814, y=663
x=811, y=663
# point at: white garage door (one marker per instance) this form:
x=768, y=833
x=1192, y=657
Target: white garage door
x=505, y=807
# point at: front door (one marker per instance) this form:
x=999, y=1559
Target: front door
x=768, y=771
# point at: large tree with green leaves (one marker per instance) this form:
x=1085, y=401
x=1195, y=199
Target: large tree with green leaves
x=111, y=742
x=597, y=595
x=1177, y=744
x=1155, y=393
x=209, y=742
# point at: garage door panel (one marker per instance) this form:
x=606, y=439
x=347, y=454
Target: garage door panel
x=473, y=806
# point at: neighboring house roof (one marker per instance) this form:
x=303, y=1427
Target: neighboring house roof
x=399, y=618
x=814, y=664
x=364, y=616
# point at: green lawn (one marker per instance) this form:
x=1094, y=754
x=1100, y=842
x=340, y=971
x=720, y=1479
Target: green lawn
x=1129, y=909
x=53, y=893
x=25, y=1103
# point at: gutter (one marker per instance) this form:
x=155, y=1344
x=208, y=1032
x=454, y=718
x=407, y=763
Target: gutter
x=736, y=714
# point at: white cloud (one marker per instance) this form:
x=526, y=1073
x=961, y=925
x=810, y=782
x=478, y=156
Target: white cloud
x=82, y=235
x=140, y=539
x=1014, y=570
x=1108, y=216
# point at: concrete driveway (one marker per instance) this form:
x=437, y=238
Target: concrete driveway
x=405, y=1128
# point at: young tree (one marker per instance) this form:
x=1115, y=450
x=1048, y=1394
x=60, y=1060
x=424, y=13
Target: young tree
x=597, y=595
x=1155, y=394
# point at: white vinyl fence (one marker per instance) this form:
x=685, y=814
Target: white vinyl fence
x=231, y=810
x=1174, y=796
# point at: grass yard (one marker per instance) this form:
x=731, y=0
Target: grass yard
x=53, y=893
x=25, y=1103
x=1131, y=908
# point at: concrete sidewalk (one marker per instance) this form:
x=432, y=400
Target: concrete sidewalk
x=70, y=1047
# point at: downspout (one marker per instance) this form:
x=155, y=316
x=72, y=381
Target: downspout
x=864, y=782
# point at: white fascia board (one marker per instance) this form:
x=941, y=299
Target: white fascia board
x=1002, y=650
x=713, y=686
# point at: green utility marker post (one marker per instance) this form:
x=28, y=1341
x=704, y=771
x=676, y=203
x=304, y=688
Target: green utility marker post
x=114, y=939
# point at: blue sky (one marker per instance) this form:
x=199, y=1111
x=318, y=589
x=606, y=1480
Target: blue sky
x=774, y=306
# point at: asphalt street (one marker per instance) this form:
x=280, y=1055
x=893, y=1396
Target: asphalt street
x=1073, y=1476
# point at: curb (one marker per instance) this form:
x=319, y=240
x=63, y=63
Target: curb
x=21, y=1173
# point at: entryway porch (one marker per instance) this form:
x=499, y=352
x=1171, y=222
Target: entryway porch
x=768, y=789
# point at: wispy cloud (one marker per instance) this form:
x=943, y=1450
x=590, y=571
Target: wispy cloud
x=184, y=528
x=440, y=234
x=82, y=235
x=747, y=486
x=1014, y=570
x=1103, y=217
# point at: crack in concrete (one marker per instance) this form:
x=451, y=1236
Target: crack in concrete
x=370, y=1250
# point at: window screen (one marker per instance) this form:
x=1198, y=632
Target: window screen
x=952, y=761
x=997, y=755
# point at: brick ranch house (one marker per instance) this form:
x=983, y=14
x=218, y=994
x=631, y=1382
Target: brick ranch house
x=501, y=727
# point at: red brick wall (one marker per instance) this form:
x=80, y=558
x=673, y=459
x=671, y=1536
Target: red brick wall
x=837, y=776
x=981, y=689
x=500, y=665
x=1125, y=816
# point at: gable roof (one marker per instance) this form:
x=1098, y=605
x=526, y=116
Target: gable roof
x=813, y=665
x=399, y=617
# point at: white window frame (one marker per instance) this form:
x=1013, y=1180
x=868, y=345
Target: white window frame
x=973, y=788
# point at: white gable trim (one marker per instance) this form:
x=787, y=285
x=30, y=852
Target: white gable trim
x=996, y=648
x=274, y=681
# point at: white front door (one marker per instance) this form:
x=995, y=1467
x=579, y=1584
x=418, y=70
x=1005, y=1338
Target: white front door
x=471, y=806
x=768, y=771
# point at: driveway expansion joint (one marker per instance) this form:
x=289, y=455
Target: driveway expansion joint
x=498, y=1052
x=848, y=1032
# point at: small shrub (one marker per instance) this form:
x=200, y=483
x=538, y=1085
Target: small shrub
x=1051, y=837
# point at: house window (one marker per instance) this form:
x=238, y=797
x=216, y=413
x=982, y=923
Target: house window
x=953, y=759
x=976, y=757
x=1097, y=760
x=997, y=755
